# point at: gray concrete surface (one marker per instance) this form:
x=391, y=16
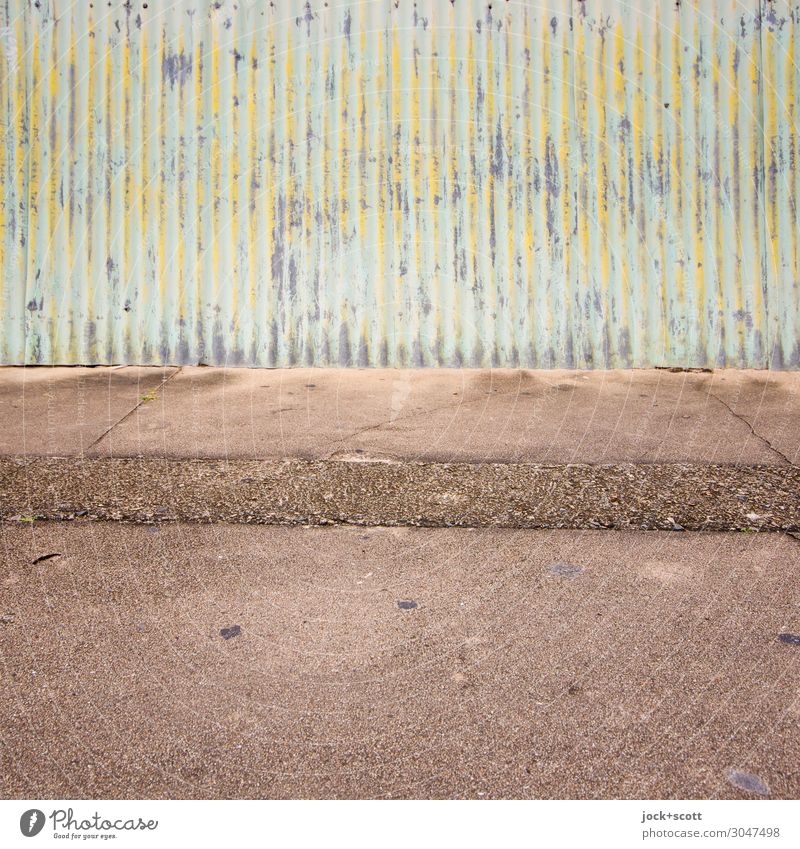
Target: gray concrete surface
x=428, y=415
x=517, y=495
x=535, y=664
x=169, y=659
x=64, y=411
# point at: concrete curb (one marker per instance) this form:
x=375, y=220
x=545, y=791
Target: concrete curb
x=622, y=496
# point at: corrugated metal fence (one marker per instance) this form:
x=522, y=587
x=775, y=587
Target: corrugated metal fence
x=545, y=183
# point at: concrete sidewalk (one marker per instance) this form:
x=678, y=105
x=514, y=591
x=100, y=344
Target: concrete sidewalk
x=641, y=449
x=231, y=661
x=439, y=415
x=161, y=636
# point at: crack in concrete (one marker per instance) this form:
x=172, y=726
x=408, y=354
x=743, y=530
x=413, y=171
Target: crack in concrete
x=751, y=428
x=133, y=409
x=426, y=412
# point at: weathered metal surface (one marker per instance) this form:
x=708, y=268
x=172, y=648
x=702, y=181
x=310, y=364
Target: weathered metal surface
x=549, y=183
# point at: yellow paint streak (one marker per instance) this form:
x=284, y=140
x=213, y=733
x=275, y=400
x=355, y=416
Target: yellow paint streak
x=52, y=178
x=90, y=156
x=659, y=144
x=252, y=123
x=566, y=190
x=676, y=163
x=344, y=80
x=362, y=155
x=770, y=141
x=216, y=164
x=792, y=123
x=733, y=107
x=327, y=174
x=363, y=189
x=698, y=234
x=108, y=109
x=619, y=88
x=163, y=283
x=584, y=248
x=126, y=94
x=234, y=191
x=69, y=181
x=511, y=230
x=416, y=166
x=380, y=85
x=4, y=240
x=490, y=200
x=641, y=223
x=145, y=142
x=452, y=179
x=308, y=199
x=721, y=257
x=344, y=167
x=19, y=95
x=397, y=170
x=529, y=218
x=267, y=190
x=35, y=152
x=197, y=61
x=472, y=190
x=179, y=248
x=435, y=184
x=756, y=140
x=599, y=95
x=545, y=115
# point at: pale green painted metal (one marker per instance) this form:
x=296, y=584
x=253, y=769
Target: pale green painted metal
x=555, y=183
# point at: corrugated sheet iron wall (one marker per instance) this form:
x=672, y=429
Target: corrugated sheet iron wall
x=544, y=183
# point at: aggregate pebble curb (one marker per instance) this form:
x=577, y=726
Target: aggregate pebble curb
x=577, y=496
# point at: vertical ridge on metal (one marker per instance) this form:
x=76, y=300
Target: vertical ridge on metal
x=541, y=183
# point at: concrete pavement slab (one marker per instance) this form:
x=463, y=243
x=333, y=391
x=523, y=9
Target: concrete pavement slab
x=231, y=661
x=450, y=415
x=768, y=401
x=62, y=411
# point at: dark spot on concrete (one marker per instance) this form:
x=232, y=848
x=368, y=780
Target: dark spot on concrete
x=790, y=639
x=46, y=557
x=407, y=605
x=748, y=782
x=228, y=633
x=564, y=570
